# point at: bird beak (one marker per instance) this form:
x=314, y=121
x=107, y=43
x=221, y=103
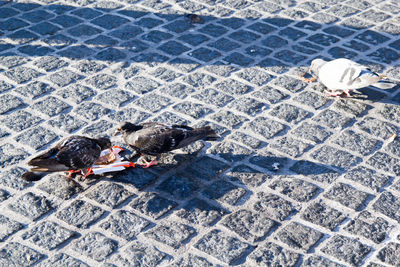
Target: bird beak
x=116, y=132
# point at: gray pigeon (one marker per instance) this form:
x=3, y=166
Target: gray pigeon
x=342, y=75
x=153, y=138
x=72, y=154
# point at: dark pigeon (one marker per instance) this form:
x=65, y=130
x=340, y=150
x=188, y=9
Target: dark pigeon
x=73, y=154
x=152, y=138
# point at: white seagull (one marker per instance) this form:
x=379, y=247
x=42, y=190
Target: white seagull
x=342, y=75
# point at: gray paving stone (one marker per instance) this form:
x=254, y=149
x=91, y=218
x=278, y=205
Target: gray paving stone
x=100, y=128
x=289, y=113
x=369, y=226
x=221, y=69
x=348, y=196
x=357, y=142
x=224, y=192
x=191, y=260
x=369, y=178
x=270, y=254
x=59, y=186
x=388, y=204
x=347, y=249
x=22, y=74
x=9, y=102
x=4, y=86
x=165, y=74
x=172, y=234
x=76, y=93
x=61, y=259
x=36, y=137
x=10, y=155
x=311, y=99
x=102, y=81
x=335, y=157
x=66, y=123
x=11, y=253
x=142, y=85
x=80, y=214
x=152, y=205
x=223, y=247
x=273, y=206
x=247, y=176
x=269, y=94
x=377, y=127
x=88, y=66
x=321, y=214
x=8, y=227
x=109, y=194
x=50, y=63
x=179, y=186
x=192, y=109
x=247, y=105
x=64, y=77
x=291, y=146
x=95, y=245
x=31, y=206
x=205, y=168
x=312, y=132
x=316, y=261
x=389, y=254
x=251, y=226
x=246, y=140
x=228, y=118
x=204, y=54
x=12, y=178
x=214, y=97
x=91, y=111
x=139, y=254
x=298, y=236
x=266, y=127
x=384, y=162
x=4, y=195
x=351, y=107
x=48, y=235
x=50, y=106
x=178, y=90
x=295, y=188
x=200, y=212
x=35, y=89
x=115, y=98
x=230, y=151
x=125, y=224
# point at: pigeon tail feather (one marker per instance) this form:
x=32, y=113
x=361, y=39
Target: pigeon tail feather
x=47, y=165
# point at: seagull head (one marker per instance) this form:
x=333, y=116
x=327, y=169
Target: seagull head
x=127, y=127
x=316, y=65
x=103, y=142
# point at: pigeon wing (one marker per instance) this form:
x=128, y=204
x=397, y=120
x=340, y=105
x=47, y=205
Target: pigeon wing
x=78, y=153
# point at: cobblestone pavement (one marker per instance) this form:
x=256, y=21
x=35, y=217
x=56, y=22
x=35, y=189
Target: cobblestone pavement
x=297, y=179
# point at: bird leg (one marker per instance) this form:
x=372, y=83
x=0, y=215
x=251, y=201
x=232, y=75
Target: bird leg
x=70, y=172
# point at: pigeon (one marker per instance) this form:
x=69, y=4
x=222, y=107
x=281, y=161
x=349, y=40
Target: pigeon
x=342, y=75
x=72, y=154
x=153, y=138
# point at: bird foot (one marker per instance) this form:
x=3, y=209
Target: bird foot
x=346, y=93
x=71, y=172
x=89, y=172
x=148, y=164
